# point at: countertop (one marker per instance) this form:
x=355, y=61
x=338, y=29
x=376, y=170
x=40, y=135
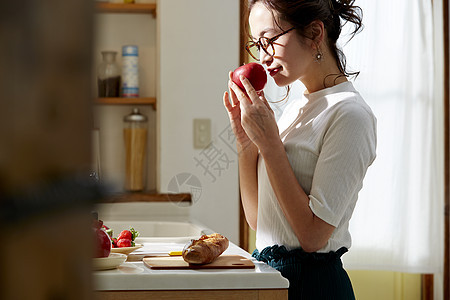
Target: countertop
x=134, y=275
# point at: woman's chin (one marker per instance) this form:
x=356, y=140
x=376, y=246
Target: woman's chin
x=282, y=81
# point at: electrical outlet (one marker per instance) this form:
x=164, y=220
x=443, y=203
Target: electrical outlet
x=202, y=133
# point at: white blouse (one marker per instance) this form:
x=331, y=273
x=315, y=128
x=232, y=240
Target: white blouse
x=330, y=142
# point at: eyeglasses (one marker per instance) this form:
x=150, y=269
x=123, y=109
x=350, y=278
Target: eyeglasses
x=263, y=43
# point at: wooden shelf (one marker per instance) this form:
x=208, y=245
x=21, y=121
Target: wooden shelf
x=128, y=101
x=149, y=197
x=140, y=8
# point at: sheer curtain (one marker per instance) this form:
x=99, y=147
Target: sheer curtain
x=398, y=221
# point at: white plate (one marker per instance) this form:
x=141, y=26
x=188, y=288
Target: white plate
x=111, y=262
x=126, y=250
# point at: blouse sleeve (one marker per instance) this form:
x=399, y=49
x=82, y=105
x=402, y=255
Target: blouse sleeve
x=348, y=149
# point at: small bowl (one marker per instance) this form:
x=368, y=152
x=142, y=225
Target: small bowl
x=126, y=250
x=107, y=263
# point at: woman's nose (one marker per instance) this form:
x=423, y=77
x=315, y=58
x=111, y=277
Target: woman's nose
x=265, y=58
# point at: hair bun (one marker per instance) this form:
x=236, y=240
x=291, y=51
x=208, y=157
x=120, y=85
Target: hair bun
x=348, y=12
x=331, y=5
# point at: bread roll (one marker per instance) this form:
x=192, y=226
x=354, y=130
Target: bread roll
x=206, y=249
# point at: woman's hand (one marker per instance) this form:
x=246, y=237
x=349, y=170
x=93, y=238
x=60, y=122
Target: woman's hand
x=234, y=113
x=256, y=117
x=247, y=156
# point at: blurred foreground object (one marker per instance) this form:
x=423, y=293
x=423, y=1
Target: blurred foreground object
x=45, y=123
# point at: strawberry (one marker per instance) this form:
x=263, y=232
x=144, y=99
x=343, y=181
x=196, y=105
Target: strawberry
x=125, y=234
x=129, y=236
x=123, y=243
x=114, y=242
x=134, y=234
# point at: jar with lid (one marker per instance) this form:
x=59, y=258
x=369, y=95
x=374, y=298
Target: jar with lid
x=108, y=75
x=135, y=136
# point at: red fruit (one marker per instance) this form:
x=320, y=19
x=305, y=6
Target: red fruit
x=254, y=72
x=102, y=243
x=97, y=224
x=114, y=242
x=123, y=243
x=125, y=234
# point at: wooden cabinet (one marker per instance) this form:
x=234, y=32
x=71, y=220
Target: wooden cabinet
x=128, y=101
x=134, y=8
x=268, y=294
x=144, y=8
x=119, y=24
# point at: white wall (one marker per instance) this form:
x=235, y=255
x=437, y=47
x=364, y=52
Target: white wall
x=198, y=45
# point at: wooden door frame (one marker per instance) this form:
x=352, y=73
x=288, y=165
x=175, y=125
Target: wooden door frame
x=244, y=229
x=446, y=149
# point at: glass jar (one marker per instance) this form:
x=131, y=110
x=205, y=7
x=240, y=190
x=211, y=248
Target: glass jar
x=108, y=75
x=135, y=136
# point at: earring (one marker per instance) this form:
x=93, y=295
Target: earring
x=318, y=56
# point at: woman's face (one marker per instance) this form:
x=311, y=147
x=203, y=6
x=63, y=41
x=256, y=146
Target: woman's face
x=292, y=57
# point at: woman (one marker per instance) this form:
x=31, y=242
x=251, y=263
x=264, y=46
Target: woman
x=299, y=183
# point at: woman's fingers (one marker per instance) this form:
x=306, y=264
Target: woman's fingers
x=232, y=95
x=264, y=100
x=251, y=92
x=226, y=101
x=234, y=98
x=238, y=93
x=229, y=105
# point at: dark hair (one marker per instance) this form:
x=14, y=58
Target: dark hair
x=300, y=14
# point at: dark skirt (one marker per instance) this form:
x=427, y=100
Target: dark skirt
x=312, y=276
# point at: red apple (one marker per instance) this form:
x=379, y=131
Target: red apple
x=254, y=72
x=102, y=241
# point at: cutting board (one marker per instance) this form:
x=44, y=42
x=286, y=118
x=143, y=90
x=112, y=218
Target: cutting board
x=177, y=262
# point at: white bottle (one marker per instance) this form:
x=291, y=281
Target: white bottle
x=130, y=72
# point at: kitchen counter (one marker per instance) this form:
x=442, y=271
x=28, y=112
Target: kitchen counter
x=133, y=279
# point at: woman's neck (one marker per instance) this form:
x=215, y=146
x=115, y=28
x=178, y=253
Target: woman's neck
x=323, y=74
